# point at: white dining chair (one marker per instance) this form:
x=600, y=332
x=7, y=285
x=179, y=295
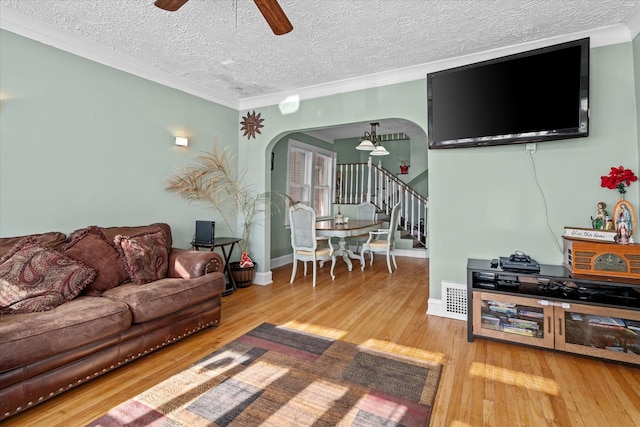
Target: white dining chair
x=304, y=241
x=364, y=211
x=383, y=241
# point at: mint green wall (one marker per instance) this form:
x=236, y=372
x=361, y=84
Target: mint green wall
x=419, y=182
x=279, y=235
x=484, y=202
x=398, y=150
x=636, y=68
x=418, y=177
x=346, y=151
x=82, y=143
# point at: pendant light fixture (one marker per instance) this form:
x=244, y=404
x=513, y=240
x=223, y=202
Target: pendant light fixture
x=371, y=142
x=365, y=145
x=379, y=151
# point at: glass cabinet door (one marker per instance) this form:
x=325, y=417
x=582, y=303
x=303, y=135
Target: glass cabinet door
x=599, y=331
x=512, y=318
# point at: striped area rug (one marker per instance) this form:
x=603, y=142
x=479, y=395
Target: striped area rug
x=274, y=376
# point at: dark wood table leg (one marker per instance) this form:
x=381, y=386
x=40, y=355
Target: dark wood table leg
x=227, y=269
x=221, y=242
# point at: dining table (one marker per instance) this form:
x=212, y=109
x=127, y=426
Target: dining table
x=354, y=227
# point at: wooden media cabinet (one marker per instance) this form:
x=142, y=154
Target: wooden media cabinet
x=592, y=316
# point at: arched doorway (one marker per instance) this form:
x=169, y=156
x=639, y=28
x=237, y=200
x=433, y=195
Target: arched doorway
x=342, y=139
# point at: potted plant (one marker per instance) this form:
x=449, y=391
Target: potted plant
x=214, y=181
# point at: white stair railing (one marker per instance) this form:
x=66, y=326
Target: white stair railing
x=360, y=182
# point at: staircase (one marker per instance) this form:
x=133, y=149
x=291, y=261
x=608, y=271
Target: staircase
x=366, y=182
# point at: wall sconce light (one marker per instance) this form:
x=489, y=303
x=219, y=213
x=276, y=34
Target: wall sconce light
x=181, y=141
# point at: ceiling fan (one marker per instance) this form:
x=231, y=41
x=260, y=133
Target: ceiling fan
x=270, y=9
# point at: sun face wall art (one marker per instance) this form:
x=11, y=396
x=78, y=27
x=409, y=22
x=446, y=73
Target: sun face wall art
x=251, y=125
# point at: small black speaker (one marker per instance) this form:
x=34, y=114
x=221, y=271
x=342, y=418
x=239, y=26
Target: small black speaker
x=205, y=231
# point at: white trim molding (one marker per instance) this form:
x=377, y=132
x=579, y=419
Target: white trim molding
x=600, y=37
x=434, y=307
x=263, y=278
x=49, y=35
x=281, y=261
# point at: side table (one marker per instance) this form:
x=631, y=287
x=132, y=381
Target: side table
x=222, y=242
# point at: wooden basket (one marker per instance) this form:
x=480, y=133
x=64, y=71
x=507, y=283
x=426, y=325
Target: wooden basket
x=243, y=277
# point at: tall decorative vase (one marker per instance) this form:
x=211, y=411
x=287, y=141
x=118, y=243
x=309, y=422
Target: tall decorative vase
x=624, y=220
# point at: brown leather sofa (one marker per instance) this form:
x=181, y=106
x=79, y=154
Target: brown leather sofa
x=43, y=354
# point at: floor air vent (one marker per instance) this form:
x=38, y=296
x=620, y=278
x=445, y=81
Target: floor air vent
x=455, y=297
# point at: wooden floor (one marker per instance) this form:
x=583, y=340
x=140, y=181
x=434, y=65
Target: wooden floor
x=484, y=383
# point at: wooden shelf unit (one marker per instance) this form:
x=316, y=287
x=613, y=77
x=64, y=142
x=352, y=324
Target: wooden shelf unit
x=598, y=317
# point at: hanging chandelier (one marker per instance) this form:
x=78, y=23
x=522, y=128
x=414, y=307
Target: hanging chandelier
x=371, y=142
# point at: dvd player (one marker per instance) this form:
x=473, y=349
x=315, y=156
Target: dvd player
x=530, y=266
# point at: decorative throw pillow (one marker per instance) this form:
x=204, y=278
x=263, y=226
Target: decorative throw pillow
x=92, y=248
x=53, y=239
x=145, y=255
x=34, y=278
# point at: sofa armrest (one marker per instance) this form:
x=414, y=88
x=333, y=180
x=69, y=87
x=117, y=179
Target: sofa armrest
x=188, y=264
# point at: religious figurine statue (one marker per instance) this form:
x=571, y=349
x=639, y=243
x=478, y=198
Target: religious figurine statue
x=623, y=233
x=599, y=221
x=608, y=223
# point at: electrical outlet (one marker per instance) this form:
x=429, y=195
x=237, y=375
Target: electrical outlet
x=531, y=147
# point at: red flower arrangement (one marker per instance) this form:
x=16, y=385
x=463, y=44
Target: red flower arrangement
x=619, y=178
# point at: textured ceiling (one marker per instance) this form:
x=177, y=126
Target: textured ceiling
x=224, y=51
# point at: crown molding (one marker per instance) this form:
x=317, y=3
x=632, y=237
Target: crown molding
x=599, y=37
x=634, y=24
x=48, y=35
x=43, y=33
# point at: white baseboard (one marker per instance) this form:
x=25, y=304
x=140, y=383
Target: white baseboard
x=280, y=261
x=434, y=307
x=409, y=253
x=263, y=279
x=288, y=259
x=412, y=253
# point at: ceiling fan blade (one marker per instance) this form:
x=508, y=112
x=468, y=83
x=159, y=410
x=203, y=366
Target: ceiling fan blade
x=274, y=16
x=170, y=5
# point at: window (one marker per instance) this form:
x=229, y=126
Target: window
x=310, y=176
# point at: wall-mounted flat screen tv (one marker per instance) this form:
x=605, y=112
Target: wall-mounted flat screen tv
x=533, y=96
